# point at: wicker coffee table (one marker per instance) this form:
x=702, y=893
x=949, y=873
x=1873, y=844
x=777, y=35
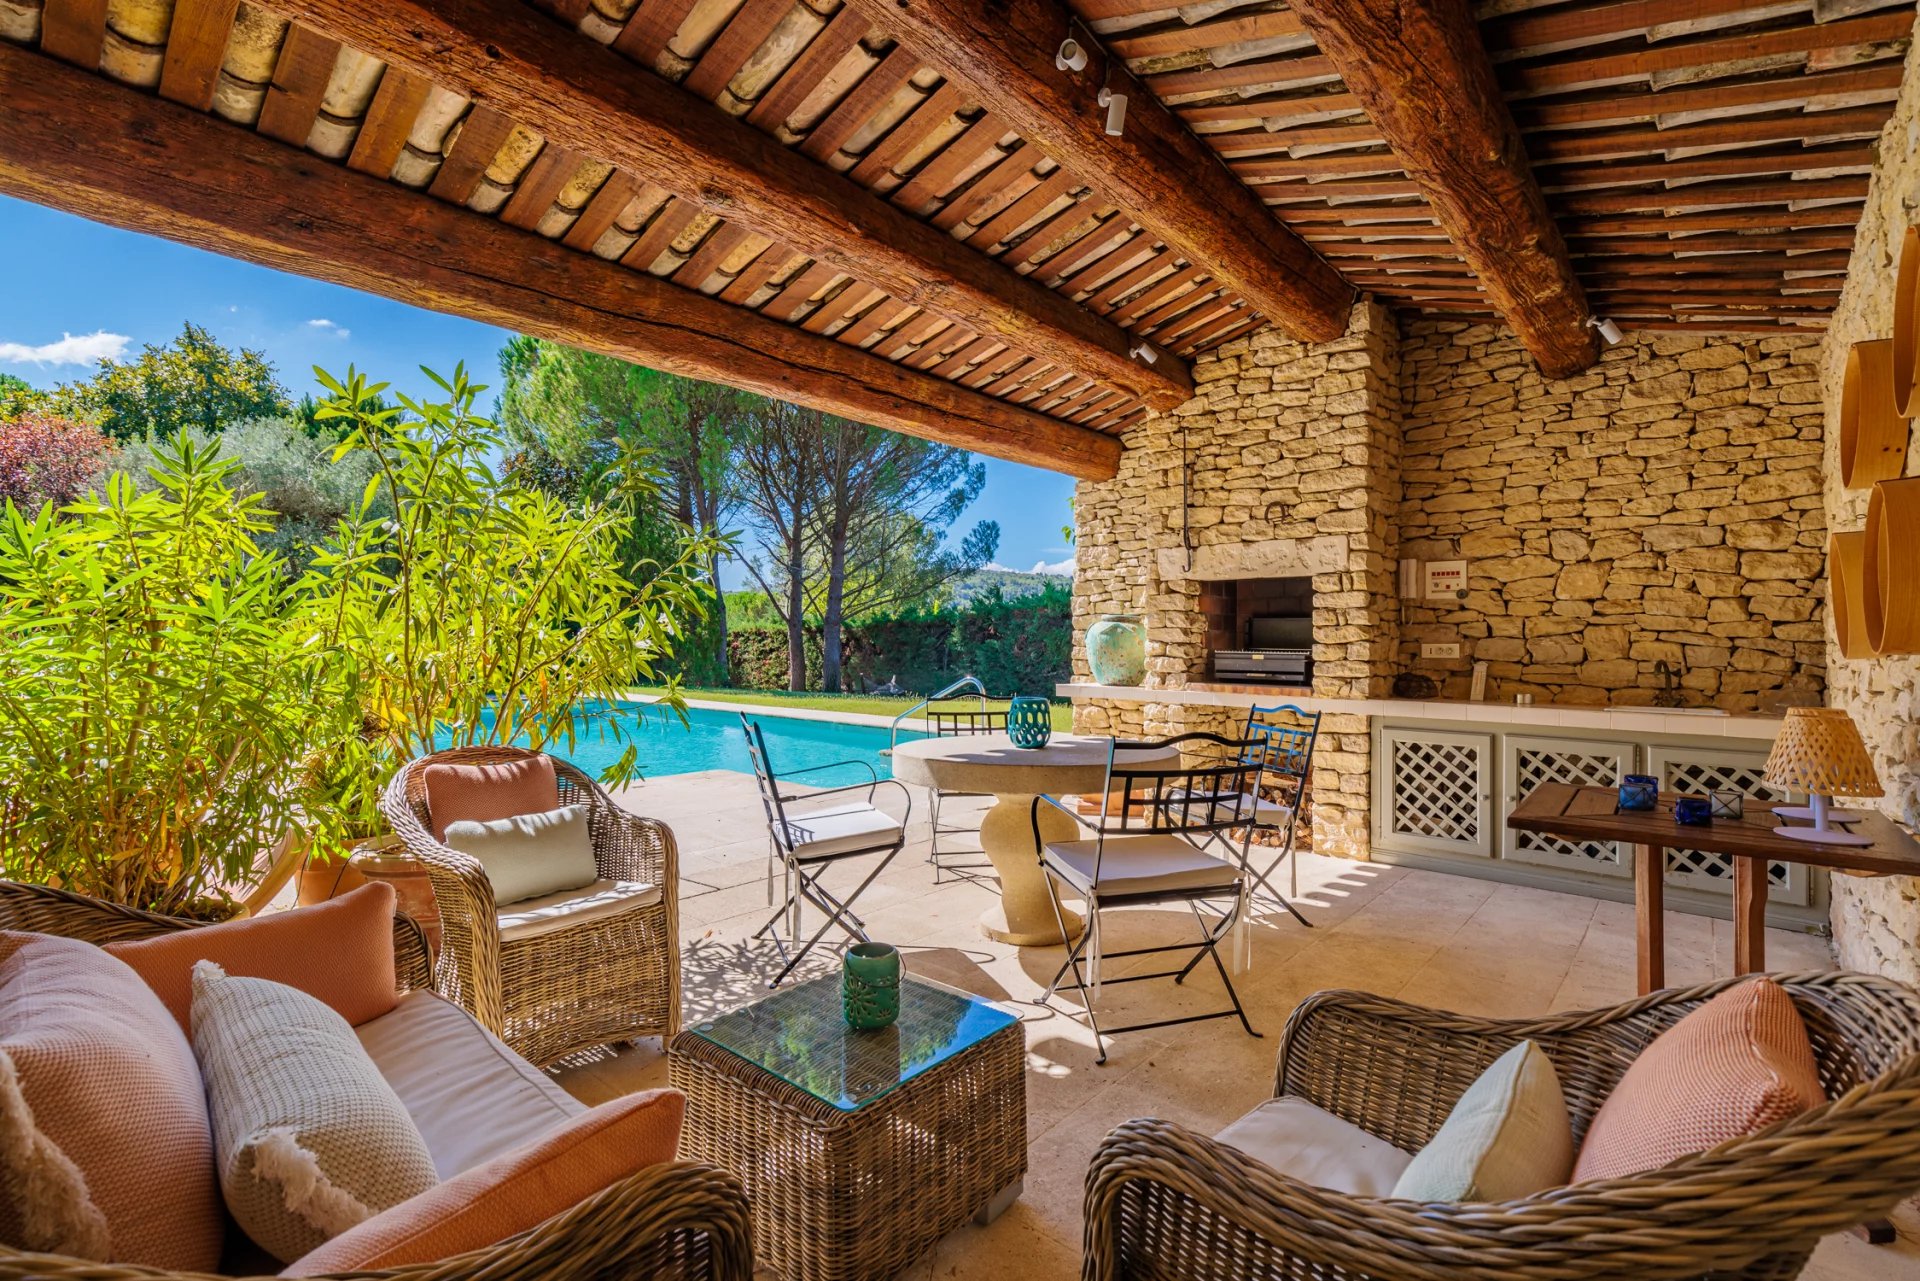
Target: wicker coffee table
x=859, y=1150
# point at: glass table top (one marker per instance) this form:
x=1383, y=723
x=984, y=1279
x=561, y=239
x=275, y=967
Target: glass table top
x=800, y=1035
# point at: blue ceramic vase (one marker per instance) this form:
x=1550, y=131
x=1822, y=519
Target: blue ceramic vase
x=1030, y=722
x=1117, y=649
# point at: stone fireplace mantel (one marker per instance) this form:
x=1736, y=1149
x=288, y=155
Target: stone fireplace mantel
x=1271, y=558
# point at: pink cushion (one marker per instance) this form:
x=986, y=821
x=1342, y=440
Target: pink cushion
x=1736, y=1065
x=111, y=1083
x=339, y=952
x=513, y=1192
x=486, y=793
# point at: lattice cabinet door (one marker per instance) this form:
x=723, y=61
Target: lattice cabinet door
x=1435, y=793
x=1698, y=770
x=1526, y=763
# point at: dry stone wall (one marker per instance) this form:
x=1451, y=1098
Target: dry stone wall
x=1876, y=922
x=1282, y=442
x=1663, y=507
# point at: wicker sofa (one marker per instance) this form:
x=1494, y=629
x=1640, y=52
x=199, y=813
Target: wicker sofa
x=680, y=1221
x=612, y=977
x=1164, y=1202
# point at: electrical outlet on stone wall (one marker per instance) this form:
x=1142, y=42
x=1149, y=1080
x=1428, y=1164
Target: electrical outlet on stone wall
x=1440, y=649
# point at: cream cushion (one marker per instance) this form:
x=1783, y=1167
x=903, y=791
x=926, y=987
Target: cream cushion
x=471, y=1097
x=530, y=855
x=532, y=917
x=309, y=1139
x=1140, y=865
x=1315, y=1146
x=92, y=1060
x=1236, y=805
x=840, y=829
x=1508, y=1137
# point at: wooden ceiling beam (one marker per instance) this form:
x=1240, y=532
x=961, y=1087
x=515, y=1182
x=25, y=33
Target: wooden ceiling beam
x=85, y=145
x=1157, y=169
x=509, y=56
x=1425, y=79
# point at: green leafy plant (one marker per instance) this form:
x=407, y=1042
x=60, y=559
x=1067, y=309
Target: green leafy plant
x=153, y=699
x=466, y=608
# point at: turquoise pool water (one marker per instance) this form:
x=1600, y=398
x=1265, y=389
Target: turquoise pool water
x=714, y=740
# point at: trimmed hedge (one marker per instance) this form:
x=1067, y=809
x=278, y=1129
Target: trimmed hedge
x=1018, y=646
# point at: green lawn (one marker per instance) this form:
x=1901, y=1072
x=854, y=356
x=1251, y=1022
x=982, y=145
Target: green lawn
x=870, y=704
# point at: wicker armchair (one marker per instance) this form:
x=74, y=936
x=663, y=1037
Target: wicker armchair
x=1164, y=1202
x=678, y=1222
x=610, y=978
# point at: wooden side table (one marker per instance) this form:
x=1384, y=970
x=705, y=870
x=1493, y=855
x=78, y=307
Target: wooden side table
x=1591, y=814
x=859, y=1150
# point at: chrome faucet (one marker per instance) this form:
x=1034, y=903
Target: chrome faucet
x=1669, y=693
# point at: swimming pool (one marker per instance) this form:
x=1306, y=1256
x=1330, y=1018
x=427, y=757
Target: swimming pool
x=713, y=739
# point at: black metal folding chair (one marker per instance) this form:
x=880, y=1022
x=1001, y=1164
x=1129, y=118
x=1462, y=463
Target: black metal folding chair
x=807, y=840
x=1148, y=846
x=1284, y=738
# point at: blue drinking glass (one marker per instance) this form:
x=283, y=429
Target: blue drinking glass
x=1639, y=793
x=1693, y=810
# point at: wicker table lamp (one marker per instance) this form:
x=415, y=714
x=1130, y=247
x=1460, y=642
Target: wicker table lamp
x=1819, y=751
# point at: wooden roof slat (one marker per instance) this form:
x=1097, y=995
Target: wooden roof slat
x=299, y=82
x=648, y=29
x=1718, y=220
x=822, y=54
x=1127, y=254
x=1110, y=235
x=943, y=168
x=773, y=260
x=673, y=218
x=1584, y=245
x=880, y=316
x=1693, y=194
x=1129, y=312
x=390, y=117
x=952, y=340
x=1793, y=89
x=908, y=134
x=799, y=291
x=1583, y=23
x=1067, y=222
x=721, y=61
x=1334, y=188
x=1120, y=286
x=991, y=186
x=196, y=42
x=615, y=194
x=1737, y=164
x=1540, y=75
x=479, y=140
x=1287, y=70
x=1008, y=221
x=911, y=335
x=1160, y=42
x=538, y=189
x=884, y=79
x=842, y=305
x=1338, y=135
x=977, y=350
x=158, y=168
x=1178, y=306
x=74, y=30
x=1808, y=125
x=1285, y=107
x=724, y=239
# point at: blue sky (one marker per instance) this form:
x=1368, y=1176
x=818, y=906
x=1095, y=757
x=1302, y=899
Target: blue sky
x=87, y=290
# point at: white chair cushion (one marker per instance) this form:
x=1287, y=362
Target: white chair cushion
x=1315, y=1146
x=1145, y=864
x=1238, y=805
x=840, y=829
x=470, y=1096
x=530, y=855
x=530, y=918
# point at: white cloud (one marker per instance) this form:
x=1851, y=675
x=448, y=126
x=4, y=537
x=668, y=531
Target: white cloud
x=327, y=326
x=1064, y=567
x=86, y=349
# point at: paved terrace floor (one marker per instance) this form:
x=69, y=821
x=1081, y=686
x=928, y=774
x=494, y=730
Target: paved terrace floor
x=1453, y=942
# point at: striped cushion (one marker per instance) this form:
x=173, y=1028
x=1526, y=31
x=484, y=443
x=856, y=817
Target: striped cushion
x=1736, y=1065
x=309, y=1139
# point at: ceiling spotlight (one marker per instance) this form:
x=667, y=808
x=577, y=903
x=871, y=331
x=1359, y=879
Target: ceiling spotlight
x=1143, y=352
x=1608, y=330
x=1116, y=105
x=1072, y=56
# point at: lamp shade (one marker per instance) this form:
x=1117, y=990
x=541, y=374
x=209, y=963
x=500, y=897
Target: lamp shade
x=1819, y=751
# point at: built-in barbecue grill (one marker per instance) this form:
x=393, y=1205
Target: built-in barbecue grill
x=1279, y=652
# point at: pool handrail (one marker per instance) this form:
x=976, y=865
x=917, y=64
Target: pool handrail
x=965, y=682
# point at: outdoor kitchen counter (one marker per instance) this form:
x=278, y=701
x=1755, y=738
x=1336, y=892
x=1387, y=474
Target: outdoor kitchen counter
x=1694, y=722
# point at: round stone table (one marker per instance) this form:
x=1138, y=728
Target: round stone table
x=1071, y=764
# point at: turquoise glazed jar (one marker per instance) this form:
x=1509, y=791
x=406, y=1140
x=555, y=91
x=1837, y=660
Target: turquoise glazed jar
x=1029, y=722
x=1117, y=649
x=870, y=985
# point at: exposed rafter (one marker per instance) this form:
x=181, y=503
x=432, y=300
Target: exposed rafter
x=1156, y=168
x=1421, y=71
x=75, y=142
x=506, y=55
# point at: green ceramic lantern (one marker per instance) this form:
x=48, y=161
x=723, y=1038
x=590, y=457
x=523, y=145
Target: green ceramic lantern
x=870, y=985
x=1030, y=722
x=1117, y=649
